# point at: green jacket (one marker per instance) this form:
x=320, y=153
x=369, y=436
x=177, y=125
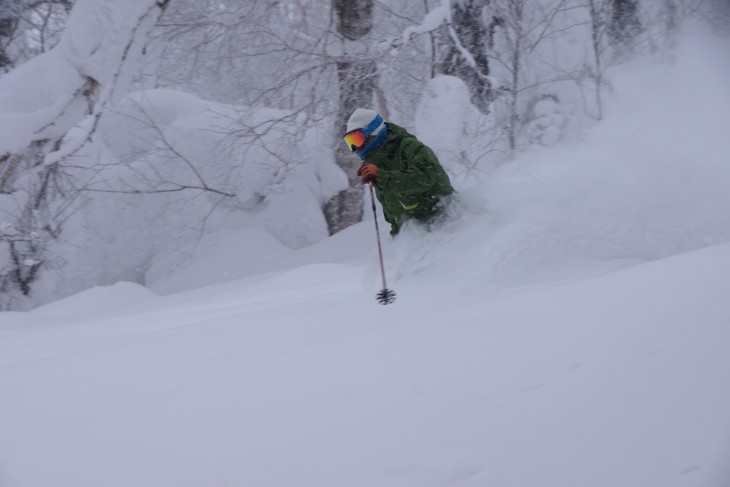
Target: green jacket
x=410, y=181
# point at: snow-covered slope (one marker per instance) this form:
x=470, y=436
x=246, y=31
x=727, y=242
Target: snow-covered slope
x=298, y=378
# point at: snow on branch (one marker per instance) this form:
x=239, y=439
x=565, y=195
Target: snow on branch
x=432, y=21
x=48, y=91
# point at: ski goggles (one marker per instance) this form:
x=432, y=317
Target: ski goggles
x=356, y=139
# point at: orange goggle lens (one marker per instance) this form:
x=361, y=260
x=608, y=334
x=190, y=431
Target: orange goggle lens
x=355, y=139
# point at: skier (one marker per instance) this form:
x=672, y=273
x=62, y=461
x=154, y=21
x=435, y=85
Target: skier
x=408, y=179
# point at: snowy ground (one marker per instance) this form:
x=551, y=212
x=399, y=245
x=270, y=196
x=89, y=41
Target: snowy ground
x=299, y=378
x=571, y=330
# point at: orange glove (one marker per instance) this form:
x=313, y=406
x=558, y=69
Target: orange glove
x=367, y=173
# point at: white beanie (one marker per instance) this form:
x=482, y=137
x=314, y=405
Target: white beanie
x=361, y=117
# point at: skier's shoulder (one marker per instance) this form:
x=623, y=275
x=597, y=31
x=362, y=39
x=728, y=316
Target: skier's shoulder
x=396, y=131
x=403, y=137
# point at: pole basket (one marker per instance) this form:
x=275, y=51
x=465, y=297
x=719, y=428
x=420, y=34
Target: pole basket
x=385, y=296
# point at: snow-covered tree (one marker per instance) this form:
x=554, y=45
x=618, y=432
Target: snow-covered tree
x=522, y=70
x=624, y=24
x=356, y=72
x=467, y=37
x=61, y=97
x=30, y=27
x=599, y=14
x=317, y=65
x=9, y=17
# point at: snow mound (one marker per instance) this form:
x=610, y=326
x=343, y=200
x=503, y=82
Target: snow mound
x=99, y=299
x=220, y=257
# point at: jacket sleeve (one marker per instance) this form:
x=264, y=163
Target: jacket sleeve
x=419, y=174
x=394, y=225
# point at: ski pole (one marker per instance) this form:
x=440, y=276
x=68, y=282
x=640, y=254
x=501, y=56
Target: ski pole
x=385, y=296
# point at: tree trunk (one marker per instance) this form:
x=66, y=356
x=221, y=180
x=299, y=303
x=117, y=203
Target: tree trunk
x=473, y=35
x=356, y=78
x=515, y=9
x=598, y=10
x=8, y=22
x=624, y=24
